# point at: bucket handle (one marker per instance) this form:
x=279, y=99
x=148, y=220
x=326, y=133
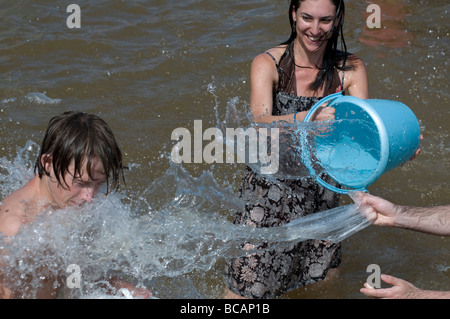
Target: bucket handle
x=307, y=119
x=319, y=104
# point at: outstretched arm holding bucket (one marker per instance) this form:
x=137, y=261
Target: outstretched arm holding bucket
x=431, y=220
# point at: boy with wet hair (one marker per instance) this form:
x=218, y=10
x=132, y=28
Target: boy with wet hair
x=78, y=155
x=81, y=138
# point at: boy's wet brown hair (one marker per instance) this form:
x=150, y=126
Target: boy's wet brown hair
x=333, y=58
x=81, y=138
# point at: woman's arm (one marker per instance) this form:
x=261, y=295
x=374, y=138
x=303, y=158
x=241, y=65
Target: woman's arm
x=356, y=82
x=263, y=80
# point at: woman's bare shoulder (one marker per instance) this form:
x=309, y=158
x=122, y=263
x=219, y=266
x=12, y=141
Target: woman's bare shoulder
x=266, y=58
x=276, y=52
x=353, y=61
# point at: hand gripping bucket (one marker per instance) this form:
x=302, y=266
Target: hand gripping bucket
x=368, y=138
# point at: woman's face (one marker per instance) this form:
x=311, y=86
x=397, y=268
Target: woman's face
x=314, y=18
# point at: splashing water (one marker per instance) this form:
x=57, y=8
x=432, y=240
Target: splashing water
x=185, y=231
x=352, y=158
x=147, y=235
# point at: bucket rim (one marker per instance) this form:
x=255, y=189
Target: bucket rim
x=382, y=132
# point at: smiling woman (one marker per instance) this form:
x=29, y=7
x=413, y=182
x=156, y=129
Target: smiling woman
x=286, y=81
x=314, y=25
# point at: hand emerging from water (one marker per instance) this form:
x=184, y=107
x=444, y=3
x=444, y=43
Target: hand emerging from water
x=129, y=290
x=400, y=289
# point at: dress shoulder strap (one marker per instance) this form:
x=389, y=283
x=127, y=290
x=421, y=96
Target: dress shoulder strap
x=274, y=60
x=341, y=87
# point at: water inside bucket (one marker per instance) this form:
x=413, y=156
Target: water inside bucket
x=349, y=153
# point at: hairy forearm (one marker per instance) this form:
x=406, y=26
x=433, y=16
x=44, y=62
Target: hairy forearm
x=430, y=294
x=433, y=220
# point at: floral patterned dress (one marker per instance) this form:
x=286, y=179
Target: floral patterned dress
x=275, y=269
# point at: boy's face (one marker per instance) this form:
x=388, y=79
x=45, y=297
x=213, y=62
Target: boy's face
x=80, y=189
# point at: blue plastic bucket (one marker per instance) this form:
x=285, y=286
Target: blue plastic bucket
x=368, y=138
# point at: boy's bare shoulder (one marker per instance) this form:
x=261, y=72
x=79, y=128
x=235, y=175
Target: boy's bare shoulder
x=13, y=209
x=10, y=216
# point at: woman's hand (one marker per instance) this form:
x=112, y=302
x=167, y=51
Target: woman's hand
x=324, y=114
x=418, y=150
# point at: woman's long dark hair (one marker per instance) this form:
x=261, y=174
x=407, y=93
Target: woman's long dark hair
x=333, y=58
